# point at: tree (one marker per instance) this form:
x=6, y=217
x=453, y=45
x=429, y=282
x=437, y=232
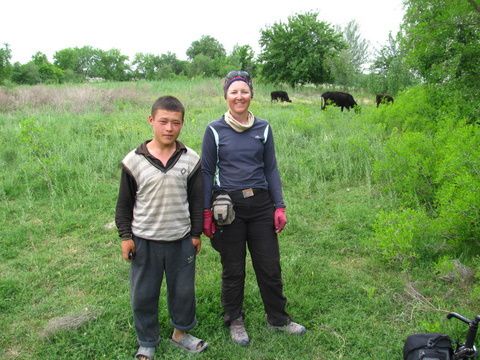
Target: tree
x=154, y=67
x=390, y=72
x=242, y=58
x=208, y=57
x=357, y=48
x=26, y=74
x=5, y=66
x=296, y=52
x=203, y=65
x=111, y=65
x=347, y=67
x=146, y=66
x=207, y=46
x=442, y=41
x=81, y=61
x=48, y=72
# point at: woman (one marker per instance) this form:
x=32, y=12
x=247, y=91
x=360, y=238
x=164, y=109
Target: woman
x=238, y=159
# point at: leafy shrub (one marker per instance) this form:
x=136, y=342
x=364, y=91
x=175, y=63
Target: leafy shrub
x=414, y=109
x=458, y=195
x=407, y=168
x=405, y=235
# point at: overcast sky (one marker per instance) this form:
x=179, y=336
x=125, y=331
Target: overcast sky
x=159, y=26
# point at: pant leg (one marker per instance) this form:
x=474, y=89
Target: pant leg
x=265, y=253
x=146, y=274
x=231, y=240
x=180, y=278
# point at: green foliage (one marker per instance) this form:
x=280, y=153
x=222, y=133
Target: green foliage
x=242, y=58
x=442, y=43
x=442, y=40
x=296, y=52
x=389, y=71
x=28, y=73
x=5, y=65
x=407, y=169
x=205, y=66
x=420, y=108
x=80, y=60
x=405, y=235
x=458, y=176
x=431, y=162
x=346, y=68
x=207, y=46
x=111, y=65
x=38, y=70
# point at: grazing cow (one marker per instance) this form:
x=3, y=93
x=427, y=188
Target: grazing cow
x=344, y=100
x=280, y=96
x=383, y=99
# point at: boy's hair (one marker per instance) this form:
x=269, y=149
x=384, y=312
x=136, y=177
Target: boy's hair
x=170, y=103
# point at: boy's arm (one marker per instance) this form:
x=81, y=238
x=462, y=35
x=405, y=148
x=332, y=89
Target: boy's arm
x=195, y=201
x=125, y=203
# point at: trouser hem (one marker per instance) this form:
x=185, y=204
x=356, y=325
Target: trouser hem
x=148, y=343
x=183, y=327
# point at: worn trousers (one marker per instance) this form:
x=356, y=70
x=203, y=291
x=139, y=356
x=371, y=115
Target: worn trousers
x=253, y=228
x=153, y=259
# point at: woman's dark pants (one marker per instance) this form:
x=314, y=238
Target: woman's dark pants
x=252, y=227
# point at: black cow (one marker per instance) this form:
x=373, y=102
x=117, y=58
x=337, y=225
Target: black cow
x=344, y=100
x=383, y=99
x=280, y=96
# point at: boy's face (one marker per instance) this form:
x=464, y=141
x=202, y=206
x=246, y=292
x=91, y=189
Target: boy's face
x=166, y=126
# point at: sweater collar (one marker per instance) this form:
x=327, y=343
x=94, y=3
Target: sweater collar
x=143, y=150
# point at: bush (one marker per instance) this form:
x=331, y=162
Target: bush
x=406, y=234
x=458, y=176
x=407, y=169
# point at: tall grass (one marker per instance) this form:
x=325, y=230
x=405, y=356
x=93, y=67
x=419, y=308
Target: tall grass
x=64, y=287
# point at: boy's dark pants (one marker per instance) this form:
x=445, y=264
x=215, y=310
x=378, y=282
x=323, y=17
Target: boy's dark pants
x=177, y=260
x=253, y=226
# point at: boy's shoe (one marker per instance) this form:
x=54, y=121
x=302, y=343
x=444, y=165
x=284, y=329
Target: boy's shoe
x=145, y=353
x=238, y=333
x=291, y=328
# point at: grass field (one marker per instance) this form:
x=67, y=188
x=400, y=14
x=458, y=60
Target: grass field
x=64, y=290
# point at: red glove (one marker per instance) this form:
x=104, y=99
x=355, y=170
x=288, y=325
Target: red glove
x=209, y=227
x=279, y=219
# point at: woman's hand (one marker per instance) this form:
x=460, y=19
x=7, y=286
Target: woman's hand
x=209, y=227
x=279, y=219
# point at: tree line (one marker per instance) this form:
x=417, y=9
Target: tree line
x=299, y=51
x=302, y=50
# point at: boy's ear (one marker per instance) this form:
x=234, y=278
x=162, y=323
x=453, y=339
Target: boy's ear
x=150, y=119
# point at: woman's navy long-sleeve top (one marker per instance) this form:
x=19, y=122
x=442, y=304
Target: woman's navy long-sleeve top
x=234, y=160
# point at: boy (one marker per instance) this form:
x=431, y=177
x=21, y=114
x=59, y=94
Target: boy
x=159, y=219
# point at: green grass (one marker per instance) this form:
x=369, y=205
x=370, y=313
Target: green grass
x=59, y=174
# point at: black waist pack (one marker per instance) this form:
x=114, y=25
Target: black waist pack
x=428, y=347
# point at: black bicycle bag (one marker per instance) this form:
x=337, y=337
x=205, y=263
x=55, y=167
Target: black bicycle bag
x=428, y=347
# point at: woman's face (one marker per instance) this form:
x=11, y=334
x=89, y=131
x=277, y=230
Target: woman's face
x=238, y=97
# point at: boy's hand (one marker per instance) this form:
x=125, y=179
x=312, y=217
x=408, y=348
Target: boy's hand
x=197, y=244
x=128, y=246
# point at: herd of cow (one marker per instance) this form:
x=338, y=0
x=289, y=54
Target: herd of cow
x=337, y=98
